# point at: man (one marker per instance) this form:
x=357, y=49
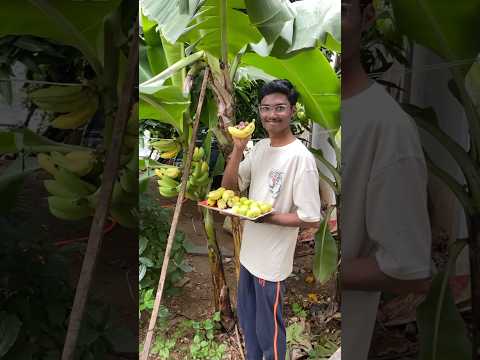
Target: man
x=279, y=170
x=384, y=219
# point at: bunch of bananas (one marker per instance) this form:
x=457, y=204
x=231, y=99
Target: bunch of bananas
x=76, y=104
x=242, y=130
x=223, y=199
x=168, y=185
x=198, y=179
x=168, y=148
x=75, y=187
x=69, y=193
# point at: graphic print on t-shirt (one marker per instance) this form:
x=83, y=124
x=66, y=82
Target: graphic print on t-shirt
x=275, y=178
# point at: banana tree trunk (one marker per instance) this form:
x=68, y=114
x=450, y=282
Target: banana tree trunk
x=220, y=289
x=237, y=230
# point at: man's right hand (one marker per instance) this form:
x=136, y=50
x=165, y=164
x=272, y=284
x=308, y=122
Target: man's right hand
x=240, y=144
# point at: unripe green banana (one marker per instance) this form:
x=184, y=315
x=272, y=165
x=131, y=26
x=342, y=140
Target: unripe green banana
x=167, y=181
x=198, y=154
x=46, y=163
x=77, y=162
x=73, y=183
x=168, y=192
x=201, y=180
x=69, y=209
x=76, y=119
x=58, y=189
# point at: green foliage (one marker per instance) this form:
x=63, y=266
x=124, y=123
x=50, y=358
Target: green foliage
x=204, y=346
x=35, y=292
x=154, y=229
x=163, y=346
x=298, y=310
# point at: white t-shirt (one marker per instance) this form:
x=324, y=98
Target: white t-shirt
x=383, y=205
x=287, y=177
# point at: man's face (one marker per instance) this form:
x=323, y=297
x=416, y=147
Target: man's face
x=354, y=22
x=276, y=113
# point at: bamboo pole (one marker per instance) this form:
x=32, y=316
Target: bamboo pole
x=96, y=230
x=176, y=216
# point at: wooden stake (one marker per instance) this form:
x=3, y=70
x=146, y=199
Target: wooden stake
x=96, y=230
x=176, y=216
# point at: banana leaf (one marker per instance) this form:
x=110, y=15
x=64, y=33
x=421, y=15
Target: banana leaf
x=438, y=25
x=167, y=105
x=289, y=27
x=313, y=77
x=75, y=23
x=326, y=252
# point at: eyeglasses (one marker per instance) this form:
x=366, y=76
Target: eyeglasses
x=277, y=109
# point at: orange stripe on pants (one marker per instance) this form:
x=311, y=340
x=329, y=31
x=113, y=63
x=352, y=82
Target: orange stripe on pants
x=275, y=336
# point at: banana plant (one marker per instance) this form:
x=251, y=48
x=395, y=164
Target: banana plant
x=98, y=35
x=225, y=45
x=448, y=32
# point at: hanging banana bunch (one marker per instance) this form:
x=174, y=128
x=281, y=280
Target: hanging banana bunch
x=76, y=184
x=69, y=193
x=168, y=148
x=169, y=178
x=76, y=104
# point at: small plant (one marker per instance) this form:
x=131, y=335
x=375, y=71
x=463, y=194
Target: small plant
x=204, y=346
x=323, y=351
x=298, y=310
x=163, y=346
x=154, y=228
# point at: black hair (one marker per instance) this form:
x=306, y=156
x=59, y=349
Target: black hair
x=282, y=86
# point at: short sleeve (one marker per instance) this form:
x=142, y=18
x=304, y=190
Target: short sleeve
x=306, y=192
x=397, y=219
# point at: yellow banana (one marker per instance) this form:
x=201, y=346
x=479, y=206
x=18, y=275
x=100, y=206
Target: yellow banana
x=211, y=202
x=242, y=133
x=159, y=172
x=214, y=195
x=77, y=118
x=205, y=167
x=227, y=194
x=171, y=154
x=172, y=172
x=47, y=164
x=222, y=204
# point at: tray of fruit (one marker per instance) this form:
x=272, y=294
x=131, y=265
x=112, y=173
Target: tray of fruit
x=226, y=202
